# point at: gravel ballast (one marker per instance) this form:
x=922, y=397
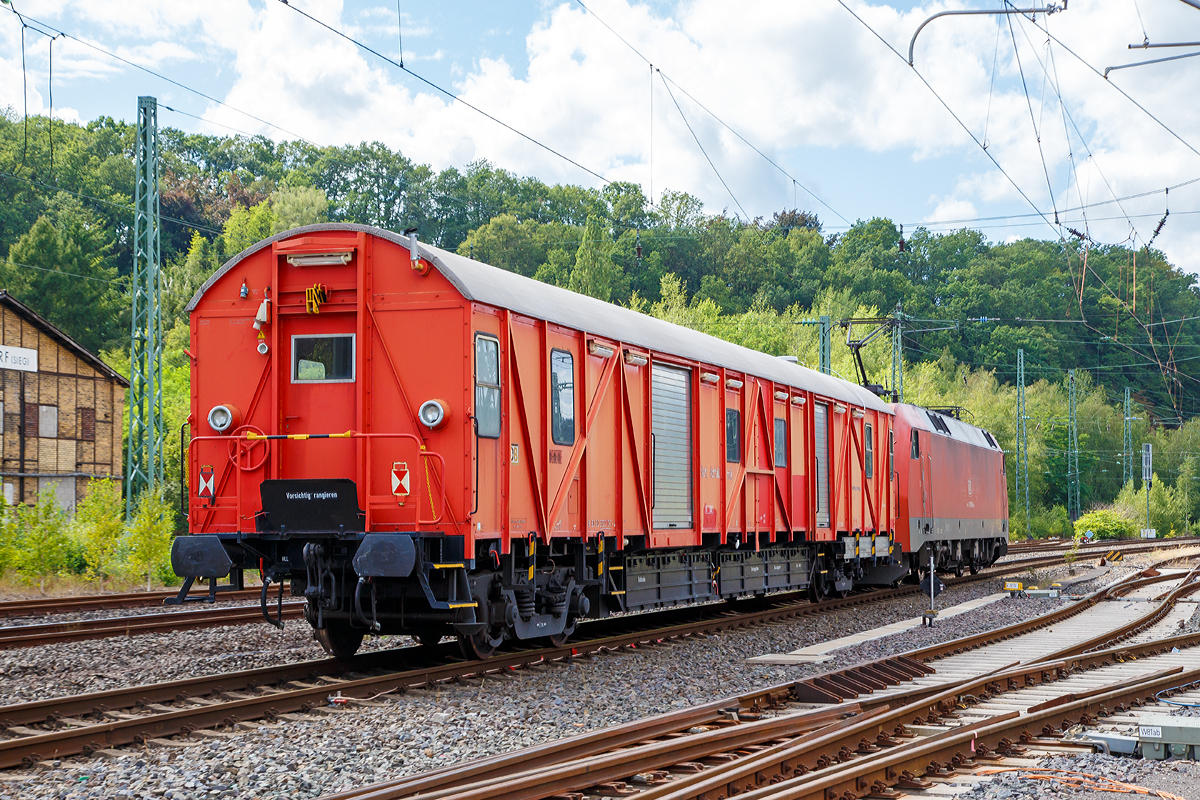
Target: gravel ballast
x=422, y=730
x=431, y=728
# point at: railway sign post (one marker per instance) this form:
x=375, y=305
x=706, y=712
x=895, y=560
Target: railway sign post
x=208, y=483
x=400, y=480
x=1147, y=476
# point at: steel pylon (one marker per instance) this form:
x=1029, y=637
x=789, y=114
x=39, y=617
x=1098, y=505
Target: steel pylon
x=144, y=466
x=1073, y=509
x=1022, y=494
x=1127, y=473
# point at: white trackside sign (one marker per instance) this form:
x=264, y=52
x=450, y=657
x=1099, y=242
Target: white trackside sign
x=21, y=358
x=400, y=479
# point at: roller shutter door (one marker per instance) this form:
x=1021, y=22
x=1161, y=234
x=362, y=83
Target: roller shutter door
x=821, y=431
x=671, y=424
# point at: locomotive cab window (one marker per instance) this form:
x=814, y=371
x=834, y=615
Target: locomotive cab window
x=780, y=442
x=323, y=359
x=733, y=436
x=487, y=387
x=916, y=444
x=869, y=450
x=562, y=397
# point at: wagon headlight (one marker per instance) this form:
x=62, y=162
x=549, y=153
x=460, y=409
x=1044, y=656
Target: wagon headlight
x=224, y=417
x=433, y=414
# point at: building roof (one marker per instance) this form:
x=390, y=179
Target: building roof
x=56, y=333
x=483, y=283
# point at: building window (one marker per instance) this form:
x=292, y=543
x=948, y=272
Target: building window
x=869, y=450
x=87, y=424
x=323, y=359
x=562, y=397
x=48, y=422
x=780, y=442
x=733, y=436
x=487, y=387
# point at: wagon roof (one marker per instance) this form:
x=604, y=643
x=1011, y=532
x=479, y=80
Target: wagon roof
x=484, y=283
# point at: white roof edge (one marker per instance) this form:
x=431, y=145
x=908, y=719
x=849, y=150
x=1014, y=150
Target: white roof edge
x=483, y=283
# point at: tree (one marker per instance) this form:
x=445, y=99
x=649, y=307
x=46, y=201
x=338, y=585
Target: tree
x=60, y=268
x=247, y=226
x=148, y=537
x=41, y=539
x=97, y=526
x=296, y=206
x=595, y=273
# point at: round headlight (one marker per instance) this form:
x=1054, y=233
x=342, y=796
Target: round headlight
x=433, y=414
x=223, y=418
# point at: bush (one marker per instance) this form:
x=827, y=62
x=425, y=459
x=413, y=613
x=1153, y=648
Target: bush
x=147, y=540
x=1106, y=523
x=41, y=539
x=97, y=528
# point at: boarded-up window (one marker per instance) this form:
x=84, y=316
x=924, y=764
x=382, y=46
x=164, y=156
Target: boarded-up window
x=31, y=420
x=48, y=422
x=87, y=424
x=671, y=426
x=821, y=435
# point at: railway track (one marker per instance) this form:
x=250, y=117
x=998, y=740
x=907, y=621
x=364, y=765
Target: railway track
x=101, y=602
x=164, y=622
x=770, y=744
x=85, y=723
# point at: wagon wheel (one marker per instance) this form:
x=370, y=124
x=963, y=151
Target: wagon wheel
x=560, y=639
x=238, y=446
x=338, y=639
x=480, y=645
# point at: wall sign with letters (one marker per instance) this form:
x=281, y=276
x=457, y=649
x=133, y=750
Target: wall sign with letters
x=21, y=358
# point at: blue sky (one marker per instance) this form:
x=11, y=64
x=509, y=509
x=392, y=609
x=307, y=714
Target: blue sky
x=805, y=83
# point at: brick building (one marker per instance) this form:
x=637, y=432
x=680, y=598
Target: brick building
x=61, y=410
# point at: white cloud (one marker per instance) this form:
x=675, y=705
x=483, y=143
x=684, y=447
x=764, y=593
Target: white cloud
x=791, y=77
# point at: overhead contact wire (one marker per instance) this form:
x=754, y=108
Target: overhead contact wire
x=456, y=98
x=706, y=110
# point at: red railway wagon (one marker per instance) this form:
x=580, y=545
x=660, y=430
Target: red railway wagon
x=421, y=443
x=953, y=498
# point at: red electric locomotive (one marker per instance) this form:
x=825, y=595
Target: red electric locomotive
x=424, y=444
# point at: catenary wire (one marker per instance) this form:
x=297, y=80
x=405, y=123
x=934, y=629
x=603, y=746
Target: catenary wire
x=447, y=92
x=705, y=108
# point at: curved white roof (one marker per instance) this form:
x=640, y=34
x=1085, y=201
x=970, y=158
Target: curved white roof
x=487, y=284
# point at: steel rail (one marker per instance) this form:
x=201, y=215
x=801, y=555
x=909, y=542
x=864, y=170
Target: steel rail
x=87, y=738
x=50, y=633
x=531, y=783
x=938, y=755
x=99, y=602
x=166, y=622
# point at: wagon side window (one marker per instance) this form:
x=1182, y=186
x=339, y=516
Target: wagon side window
x=487, y=387
x=869, y=450
x=562, y=396
x=733, y=436
x=780, y=442
x=323, y=359
x=891, y=450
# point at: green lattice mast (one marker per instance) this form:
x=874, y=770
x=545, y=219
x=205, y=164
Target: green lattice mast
x=144, y=467
x=1073, y=510
x=1022, y=494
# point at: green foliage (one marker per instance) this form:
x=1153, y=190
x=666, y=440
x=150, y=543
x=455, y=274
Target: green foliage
x=247, y=226
x=61, y=268
x=41, y=539
x=296, y=206
x=97, y=527
x=1166, y=506
x=1106, y=523
x=147, y=540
